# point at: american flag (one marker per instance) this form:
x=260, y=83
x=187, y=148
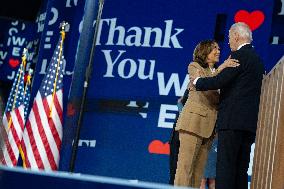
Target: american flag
x=14, y=118
x=43, y=133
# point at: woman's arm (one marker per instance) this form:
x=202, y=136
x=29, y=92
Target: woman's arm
x=228, y=63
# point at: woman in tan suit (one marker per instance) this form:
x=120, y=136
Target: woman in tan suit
x=196, y=122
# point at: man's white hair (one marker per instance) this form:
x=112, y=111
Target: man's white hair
x=243, y=30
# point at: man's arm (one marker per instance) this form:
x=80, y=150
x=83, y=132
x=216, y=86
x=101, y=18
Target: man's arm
x=219, y=81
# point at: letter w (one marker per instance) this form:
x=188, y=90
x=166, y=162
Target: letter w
x=18, y=41
x=164, y=89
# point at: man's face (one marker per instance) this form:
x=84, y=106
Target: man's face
x=233, y=40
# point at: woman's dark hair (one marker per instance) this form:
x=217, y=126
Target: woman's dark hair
x=202, y=50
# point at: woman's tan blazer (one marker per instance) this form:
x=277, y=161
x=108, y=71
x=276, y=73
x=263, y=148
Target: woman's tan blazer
x=199, y=113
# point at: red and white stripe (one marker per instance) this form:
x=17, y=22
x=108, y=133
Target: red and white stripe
x=10, y=149
x=43, y=133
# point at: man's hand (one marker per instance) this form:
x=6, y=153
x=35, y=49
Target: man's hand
x=193, y=79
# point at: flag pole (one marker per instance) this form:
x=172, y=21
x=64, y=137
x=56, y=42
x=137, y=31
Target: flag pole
x=28, y=84
x=63, y=26
x=22, y=68
x=88, y=74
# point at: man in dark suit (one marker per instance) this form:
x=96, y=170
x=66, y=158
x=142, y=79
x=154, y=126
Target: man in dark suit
x=240, y=89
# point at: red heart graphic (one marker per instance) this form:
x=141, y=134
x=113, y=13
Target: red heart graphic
x=253, y=19
x=70, y=110
x=14, y=62
x=158, y=147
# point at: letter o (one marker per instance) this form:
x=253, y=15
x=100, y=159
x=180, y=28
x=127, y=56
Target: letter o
x=121, y=67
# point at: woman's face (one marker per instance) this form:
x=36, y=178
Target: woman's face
x=214, y=55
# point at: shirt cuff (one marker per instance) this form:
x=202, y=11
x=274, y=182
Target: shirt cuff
x=195, y=81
